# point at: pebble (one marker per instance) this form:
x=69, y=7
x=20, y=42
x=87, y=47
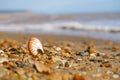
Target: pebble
x=118, y=72
x=79, y=77
x=55, y=59
x=20, y=71
x=118, y=54
x=106, y=65
x=105, y=55
x=63, y=62
x=3, y=71
x=1, y=51
x=97, y=75
x=92, y=50
x=98, y=70
x=67, y=64
x=109, y=72
x=78, y=60
x=82, y=53
x=3, y=59
x=84, y=73
x=58, y=48
x=31, y=61
x=92, y=56
x=41, y=67
x=115, y=76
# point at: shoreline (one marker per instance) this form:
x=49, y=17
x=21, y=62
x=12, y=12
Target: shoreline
x=92, y=35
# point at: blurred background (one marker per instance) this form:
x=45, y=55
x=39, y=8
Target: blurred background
x=94, y=18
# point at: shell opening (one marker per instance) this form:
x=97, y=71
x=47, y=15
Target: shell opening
x=40, y=51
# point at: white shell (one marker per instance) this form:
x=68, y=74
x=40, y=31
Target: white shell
x=34, y=45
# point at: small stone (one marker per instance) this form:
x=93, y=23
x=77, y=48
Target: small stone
x=65, y=55
x=98, y=70
x=115, y=47
x=58, y=48
x=97, y=75
x=104, y=55
x=1, y=51
x=3, y=59
x=67, y=64
x=115, y=76
x=65, y=76
x=84, y=73
x=82, y=53
x=90, y=68
x=92, y=56
x=91, y=50
x=31, y=61
x=56, y=59
x=109, y=72
x=66, y=49
x=118, y=54
x=79, y=77
x=63, y=62
x=106, y=65
x=78, y=60
x=3, y=71
x=118, y=72
x=42, y=68
x=20, y=71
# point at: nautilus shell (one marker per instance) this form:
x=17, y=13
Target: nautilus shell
x=34, y=46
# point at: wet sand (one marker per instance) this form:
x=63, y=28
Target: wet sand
x=65, y=58
x=29, y=17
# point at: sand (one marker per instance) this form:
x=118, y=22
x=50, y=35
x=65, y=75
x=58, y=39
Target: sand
x=65, y=58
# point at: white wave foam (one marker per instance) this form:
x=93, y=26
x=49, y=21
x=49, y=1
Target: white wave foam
x=55, y=26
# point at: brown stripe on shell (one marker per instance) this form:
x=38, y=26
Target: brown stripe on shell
x=34, y=45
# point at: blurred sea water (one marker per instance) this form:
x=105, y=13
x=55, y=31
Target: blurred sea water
x=97, y=26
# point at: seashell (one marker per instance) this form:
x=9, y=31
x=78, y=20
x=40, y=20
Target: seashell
x=34, y=45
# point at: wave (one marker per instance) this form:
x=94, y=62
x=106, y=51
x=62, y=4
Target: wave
x=58, y=26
